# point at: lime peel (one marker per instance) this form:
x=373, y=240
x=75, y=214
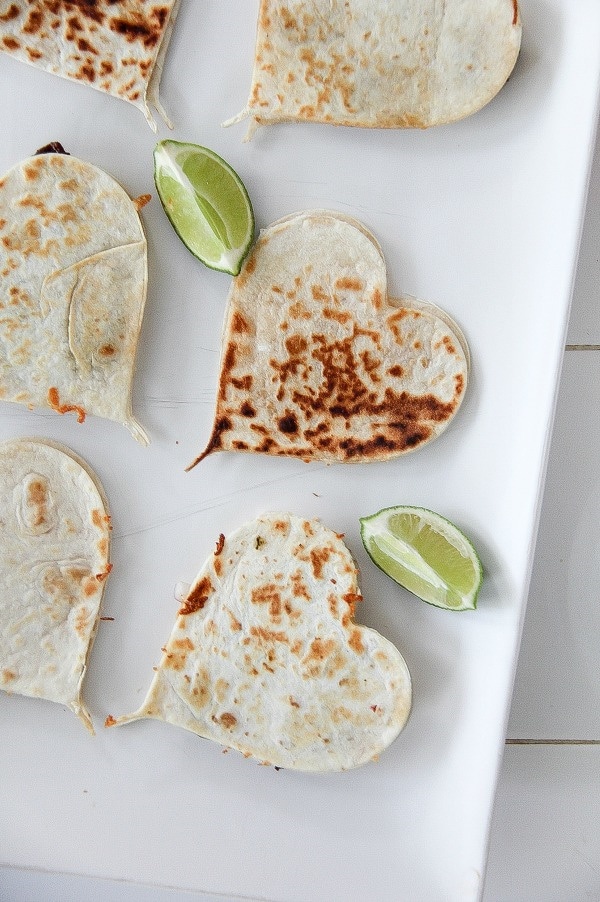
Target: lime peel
x=426, y=554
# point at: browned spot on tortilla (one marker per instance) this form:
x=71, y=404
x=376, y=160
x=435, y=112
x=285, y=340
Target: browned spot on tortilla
x=228, y=720
x=270, y=595
x=299, y=587
x=396, y=370
x=82, y=621
x=349, y=284
x=197, y=597
x=239, y=324
x=86, y=72
x=446, y=343
x=177, y=653
x=377, y=299
x=11, y=13
x=249, y=267
x=236, y=626
x=515, y=12
x=141, y=28
x=8, y=675
x=90, y=586
x=320, y=649
x=267, y=636
x=37, y=499
x=318, y=558
x=107, y=351
x=99, y=518
x=54, y=403
x=299, y=311
x=355, y=642
x=351, y=599
x=288, y=424
x=33, y=22
x=10, y=43
x=243, y=383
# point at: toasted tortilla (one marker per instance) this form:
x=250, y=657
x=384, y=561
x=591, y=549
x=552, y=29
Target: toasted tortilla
x=73, y=288
x=54, y=562
x=115, y=46
x=376, y=64
x=319, y=363
x=265, y=656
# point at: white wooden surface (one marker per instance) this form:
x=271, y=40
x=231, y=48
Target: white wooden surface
x=545, y=839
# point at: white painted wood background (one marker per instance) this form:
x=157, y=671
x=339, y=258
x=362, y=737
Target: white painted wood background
x=545, y=840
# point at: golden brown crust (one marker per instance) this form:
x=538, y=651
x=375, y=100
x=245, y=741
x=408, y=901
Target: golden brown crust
x=410, y=64
x=319, y=364
x=111, y=45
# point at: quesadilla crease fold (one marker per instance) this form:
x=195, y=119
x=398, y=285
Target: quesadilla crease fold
x=73, y=261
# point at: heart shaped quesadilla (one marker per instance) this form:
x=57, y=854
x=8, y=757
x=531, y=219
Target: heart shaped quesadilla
x=319, y=363
x=54, y=550
x=74, y=273
x=115, y=46
x=380, y=63
x=265, y=656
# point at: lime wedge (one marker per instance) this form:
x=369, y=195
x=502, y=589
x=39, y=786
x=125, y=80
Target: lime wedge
x=426, y=554
x=206, y=202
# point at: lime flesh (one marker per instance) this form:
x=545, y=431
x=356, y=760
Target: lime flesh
x=206, y=203
x=426, y=554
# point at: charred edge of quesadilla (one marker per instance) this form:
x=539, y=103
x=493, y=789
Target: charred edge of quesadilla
x=411, y=424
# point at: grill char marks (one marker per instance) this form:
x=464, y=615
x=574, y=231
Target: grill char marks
x=318, y=364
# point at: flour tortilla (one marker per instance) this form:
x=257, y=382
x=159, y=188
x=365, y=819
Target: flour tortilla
x=115, y=46
x=319, y=363
x=73, y=274
x=54, y=562
x=265, y=656
x=380, y=63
